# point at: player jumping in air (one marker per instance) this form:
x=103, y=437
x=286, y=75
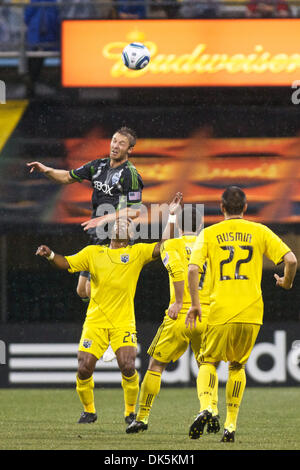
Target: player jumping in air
x=234, y=250
x=116, y=186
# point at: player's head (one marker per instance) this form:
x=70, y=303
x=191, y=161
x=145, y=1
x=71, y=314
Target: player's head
x=190, y=219
x=122, y=143
x=122, y=230
x=234, y=201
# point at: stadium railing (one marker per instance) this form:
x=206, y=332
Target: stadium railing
x=15, y=48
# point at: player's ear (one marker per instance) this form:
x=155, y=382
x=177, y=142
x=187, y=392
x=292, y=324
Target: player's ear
x=130, y=150
x=245, y=208
x=222, y=208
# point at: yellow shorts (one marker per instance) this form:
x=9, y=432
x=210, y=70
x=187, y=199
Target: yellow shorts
x=173, y=337
x=231, y=342
x=96, y=340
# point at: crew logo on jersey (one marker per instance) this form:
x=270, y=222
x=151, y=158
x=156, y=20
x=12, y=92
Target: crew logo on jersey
x=87, y=343
x=124, y=258
x=115, y=177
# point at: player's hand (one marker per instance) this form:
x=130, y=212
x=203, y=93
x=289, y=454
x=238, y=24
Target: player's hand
x=98, y=221
x=43, y=251
x=37, y=166
x=191, y=317
x=174, y=309
x=175, y=203
x=281, y=282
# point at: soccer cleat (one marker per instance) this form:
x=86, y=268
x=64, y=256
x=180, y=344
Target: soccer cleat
x=130, y=418
x=228, y=436
x=86, y=417
x=214, y=425
x=136, y=426
x=197, y=428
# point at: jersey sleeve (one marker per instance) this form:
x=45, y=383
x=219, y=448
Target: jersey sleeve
x=146, y=252
x=79, y=261
x=275, y=248
x=172, y=261
x=200, y=251
x=84, y=172
x=132, y=186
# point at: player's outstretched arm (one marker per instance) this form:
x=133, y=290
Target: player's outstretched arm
x=169, y=230
x=104, y=219
x=58, y=261
x=59, y=176
x=290, y=269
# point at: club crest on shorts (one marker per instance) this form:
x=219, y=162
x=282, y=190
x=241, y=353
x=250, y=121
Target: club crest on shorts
x=124, y=258
x=87, y=343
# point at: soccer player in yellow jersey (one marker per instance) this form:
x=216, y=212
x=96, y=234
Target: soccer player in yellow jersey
x=172, y=337
x=234, y=249
x=110, y=315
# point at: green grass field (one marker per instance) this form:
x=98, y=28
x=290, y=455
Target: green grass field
x=46, y=419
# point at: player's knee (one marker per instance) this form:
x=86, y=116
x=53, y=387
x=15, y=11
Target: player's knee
x=85, y=370
x=156, y=366
x=127, y=367
x=236, y=366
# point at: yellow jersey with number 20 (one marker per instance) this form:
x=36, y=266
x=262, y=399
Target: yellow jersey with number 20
x=114, y=276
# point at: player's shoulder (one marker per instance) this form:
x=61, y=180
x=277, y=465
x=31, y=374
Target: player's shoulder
x=130, y=168
x=93, y=249
x=173, y=243
x=101, y=161
x=141, y=246
x=257, y=226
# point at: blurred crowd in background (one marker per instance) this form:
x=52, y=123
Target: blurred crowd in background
x=40, y=25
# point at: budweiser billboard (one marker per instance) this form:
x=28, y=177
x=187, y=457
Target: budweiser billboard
x=184, y=53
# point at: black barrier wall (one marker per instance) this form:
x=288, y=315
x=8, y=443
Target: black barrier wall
x=45, y=355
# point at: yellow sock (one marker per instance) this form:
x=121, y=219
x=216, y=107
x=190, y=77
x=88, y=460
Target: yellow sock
x=206, y=382
x=131, y=390
x=85, y=390
x=214, y=401
x=149, y=390
x=234, y=393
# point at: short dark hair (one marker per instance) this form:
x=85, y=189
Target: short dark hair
x=189, y=218
x=234, y=200
x=129, y=133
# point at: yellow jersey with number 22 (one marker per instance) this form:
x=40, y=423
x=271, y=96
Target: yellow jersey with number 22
x=234, y=249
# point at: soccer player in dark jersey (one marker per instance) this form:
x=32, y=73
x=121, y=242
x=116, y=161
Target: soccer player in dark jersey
x=117, y=186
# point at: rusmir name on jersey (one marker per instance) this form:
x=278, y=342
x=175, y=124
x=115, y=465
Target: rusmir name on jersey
x=234, y=236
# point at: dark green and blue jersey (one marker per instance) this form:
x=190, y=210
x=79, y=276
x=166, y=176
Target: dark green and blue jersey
x=119, y=187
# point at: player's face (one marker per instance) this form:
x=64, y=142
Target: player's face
x=121, y=230
x=119, y=147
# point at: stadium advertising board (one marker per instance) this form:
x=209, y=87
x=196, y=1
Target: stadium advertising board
x=268, y=169
x=41, y=355
x=184, y=53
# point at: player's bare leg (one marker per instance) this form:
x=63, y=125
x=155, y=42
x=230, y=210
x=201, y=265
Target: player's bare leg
x=130, y=380
x=85, y=386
